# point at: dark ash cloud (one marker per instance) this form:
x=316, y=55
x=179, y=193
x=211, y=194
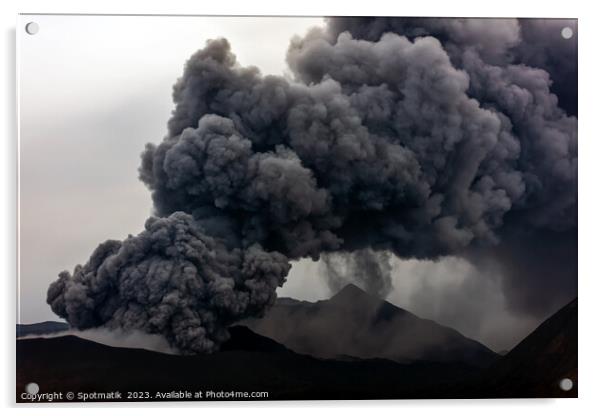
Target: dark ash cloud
x=414, y=137
x=171, y=279
x=525, y=72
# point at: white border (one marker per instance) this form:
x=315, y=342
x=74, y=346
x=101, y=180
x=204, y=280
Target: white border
x=590, y=152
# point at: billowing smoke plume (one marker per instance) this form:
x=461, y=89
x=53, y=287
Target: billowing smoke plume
x=417, y=137
x=171, y=279
x=525, y=72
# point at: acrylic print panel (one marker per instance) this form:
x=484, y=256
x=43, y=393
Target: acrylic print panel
x=272, y=208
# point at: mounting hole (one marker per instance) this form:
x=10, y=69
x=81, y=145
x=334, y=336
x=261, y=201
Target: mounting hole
x=567, y=32
x=32, y=28
x=32, y=388
x=566, y=384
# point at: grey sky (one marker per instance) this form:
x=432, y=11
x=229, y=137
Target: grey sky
x=94, y=89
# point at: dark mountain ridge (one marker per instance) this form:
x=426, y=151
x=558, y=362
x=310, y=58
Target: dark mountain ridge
x=247, y=362
x=539, y=362
x=250, y=362
x=41, y=328
x=354, y=323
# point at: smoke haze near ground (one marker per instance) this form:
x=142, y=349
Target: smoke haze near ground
x=116, y=338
